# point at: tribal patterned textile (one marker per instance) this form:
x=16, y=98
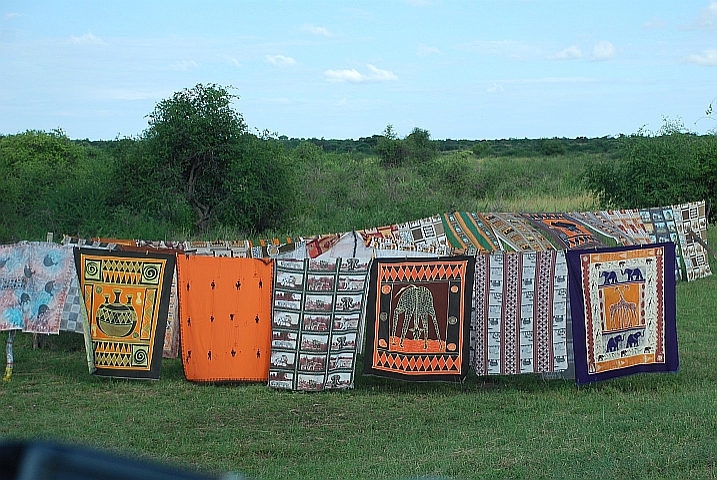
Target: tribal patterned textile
x=171, y=332
x=225, y=306
x=370, y=235
x=661, y=228
x=623, y=311
x=279, y=248
x=690, y=218
x=630, y=222
x=126, y=295
x=468, y=233
x=34, y=280
x=318, y=245
x=264, y=248
x=603, y=226
x=565, y=230
x=236, y=249
x=426, y=235
x=317, y=320
x=160, y=245
x=418, y=318
x=659, y=224
x=70, y=241
x=517, y=232
x=519, y=313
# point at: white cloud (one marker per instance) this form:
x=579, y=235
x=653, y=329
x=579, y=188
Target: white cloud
x=706, y=20
x=185, y=65
x=708, y=58
x=11, y=15
x=568, y=53
x=353, y=75
x=495, y=88
x=336, y=76
x=280, y=60
x=314, y=30
x=425, y=50
x=654, y=23
x=604, y=50
x=381, y=75
x=87, y=39
x=418, y=3
x=230, y=60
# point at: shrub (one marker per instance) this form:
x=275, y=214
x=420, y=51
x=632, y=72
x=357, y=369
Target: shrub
x=553, y=146
x=665, y=168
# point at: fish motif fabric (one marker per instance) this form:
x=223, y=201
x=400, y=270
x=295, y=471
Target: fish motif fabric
x=34, y=280
x=603, y=226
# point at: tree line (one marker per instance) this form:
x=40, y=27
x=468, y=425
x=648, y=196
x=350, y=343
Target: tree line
x=198, y=168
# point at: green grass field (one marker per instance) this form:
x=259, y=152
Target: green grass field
x=644, y=426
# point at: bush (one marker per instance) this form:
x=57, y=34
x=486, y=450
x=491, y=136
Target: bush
x=416, y=148
x=50, y=184
x=482, y=149
x=553, y=146
x=666, y=168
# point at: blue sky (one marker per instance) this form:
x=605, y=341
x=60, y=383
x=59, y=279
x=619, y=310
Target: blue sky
x=460, y=69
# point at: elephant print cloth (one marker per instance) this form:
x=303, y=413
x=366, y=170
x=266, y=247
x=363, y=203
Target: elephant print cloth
x=623, y=311
x=519, y=313
x=468, y=233
x=34, y=280
x=225, y=308
x=418, y=318
x=567, y=232
x=126, y=295
x=691, y=223
x=516, y=232
x=316, y=322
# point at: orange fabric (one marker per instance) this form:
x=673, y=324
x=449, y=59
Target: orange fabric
x=225, y=312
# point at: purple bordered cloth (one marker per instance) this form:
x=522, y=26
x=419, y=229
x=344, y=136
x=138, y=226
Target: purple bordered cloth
x=622, y=302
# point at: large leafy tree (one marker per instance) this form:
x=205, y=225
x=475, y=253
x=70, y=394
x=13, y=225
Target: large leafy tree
x=197, y=160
